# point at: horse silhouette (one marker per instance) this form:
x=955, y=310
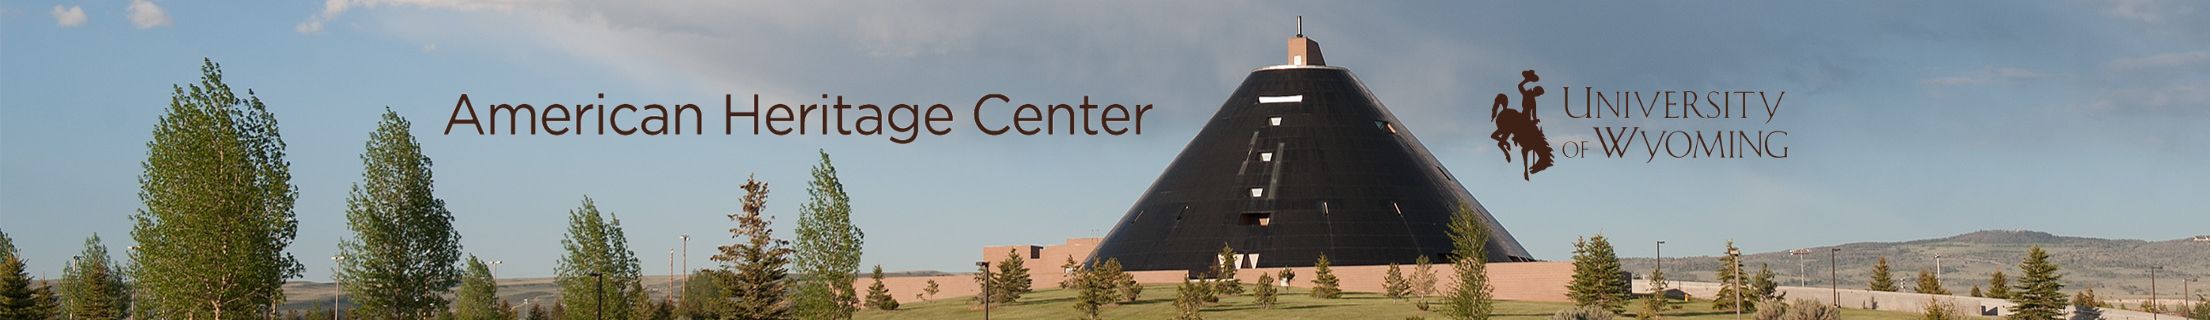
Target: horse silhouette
x=1522, y=128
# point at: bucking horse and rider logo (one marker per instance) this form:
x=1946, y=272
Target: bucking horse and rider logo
x=1521, y=128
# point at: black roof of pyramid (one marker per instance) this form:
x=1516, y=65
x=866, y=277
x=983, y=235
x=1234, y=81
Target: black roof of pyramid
x=1301, y=160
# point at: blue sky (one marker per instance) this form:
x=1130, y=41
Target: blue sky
x=1908, y=120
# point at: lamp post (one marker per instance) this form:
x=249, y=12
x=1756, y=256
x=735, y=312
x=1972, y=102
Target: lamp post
x=1660, y=262
x=985, y=265
x=1803, y=274
x=1937, y=270
x=1735, y=255
x=335, y=311
x=1833, y=278
x=671, y=277
x=685, y=292
x=598, y=303
x=2152, y=292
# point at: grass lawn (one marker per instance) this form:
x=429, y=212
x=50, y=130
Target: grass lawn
x=1158, y=303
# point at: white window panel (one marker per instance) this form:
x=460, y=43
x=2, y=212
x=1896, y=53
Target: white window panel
x=1281, y=99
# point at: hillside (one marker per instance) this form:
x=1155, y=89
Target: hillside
x=2116, y=268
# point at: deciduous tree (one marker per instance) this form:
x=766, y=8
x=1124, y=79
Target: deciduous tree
x=478, y=296
x=1469, y=236
x=595, y=244
x=828, y=250
x=401, y=258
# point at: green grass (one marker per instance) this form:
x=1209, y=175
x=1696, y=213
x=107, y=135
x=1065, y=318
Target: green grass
x=1158, y=303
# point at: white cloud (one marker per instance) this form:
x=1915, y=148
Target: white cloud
x=145, y=14
x=331, y=9
x=1984, y=77
x=2163, y=61
x=69, y=17
x=2183, y=99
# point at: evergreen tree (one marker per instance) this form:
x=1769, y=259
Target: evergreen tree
x=1596, y=280
x=1928, y=284
x=2037, y=295
x=1124, y=284
x=1652, y=307
x=878, y=296
x=1067, y=271
x=1658, y=289
x=16, y=296
x=537, y=312
x=752, y=281
x=218, y=200
x=1223, y=273
x=1998, y=286
x=1732, y=290
x=1469, y=237
x=1976, y=292
x=93, y=287
x=478, y=296
x=507, y=311
x=402, y=254
x=703, y=295
x=2086, y=307
x=1763, y=285
x=1189, y=300
x=1264, y=292
x=828, y=248
x=1423, y=278
x=1324, y=283
x=1881, y=281
x=595, y=244
x=45, y=304
x=1092, y=292
x=1012, y=280
x=1393, y=284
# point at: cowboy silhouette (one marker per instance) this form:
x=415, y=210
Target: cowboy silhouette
x=1521, y=127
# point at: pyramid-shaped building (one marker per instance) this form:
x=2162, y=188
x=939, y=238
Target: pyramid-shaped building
x=1302, y=160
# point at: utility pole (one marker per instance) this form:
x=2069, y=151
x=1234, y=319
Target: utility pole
x=671, y=278
x=686, y=291
x=1735, y=255
x=2152, y=292
x=598, y=303
x=1660, y=262
x=1803, y=274
x=1937, y=270
x=335, y=311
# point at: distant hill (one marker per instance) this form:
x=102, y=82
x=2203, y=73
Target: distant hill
x=2115, y=268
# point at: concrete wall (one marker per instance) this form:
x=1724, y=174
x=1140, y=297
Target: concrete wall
x=1879, y=300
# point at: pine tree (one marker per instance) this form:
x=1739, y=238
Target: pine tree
x=828, y=250
x=1124, y=284
x=93, y=287
x=16, y=296
x=1881, y=281
x=752, y=279
x=1091, y=291
x=2037, y=295
x=1324, y=283
x=1469, y=237
x=478, y=296
x=1976, y=292
x=704, y=295
x=1423, y=278
x=1012, y=280
x=537, y=312
x=2086, y=307
x=595, y=244
x=402, y=254
x=1998, y=286
x=1393, y=284
x=45, y=304
x=1928, y=284
x=878, y=296
x=1658, y=288
x=507, y=311
x=1596, y=270
x=1264, y=292
x=1652, y=307
x=1732, y=285
x=1763, y=284
x=1223, y=273
x=1067, y=271
x=217, y=213
x=1189, y=300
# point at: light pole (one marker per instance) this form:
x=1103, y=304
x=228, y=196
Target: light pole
x=2152, y=292
x=598, y=303
x=1660, y=262
x=985, y=265
x=1937, y=270
x=1833, y=278
x=1803, y=274
x=685, y=292
x=335, y=311
x=1735, y=255
x=671, y=276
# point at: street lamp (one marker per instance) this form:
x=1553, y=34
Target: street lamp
x=1937, y=270
x=1660, y=262
x=598, y=303
x=985, y=265
x=1803, y=274
x=685, y=292
x=335, y=311
x=1833, y=278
